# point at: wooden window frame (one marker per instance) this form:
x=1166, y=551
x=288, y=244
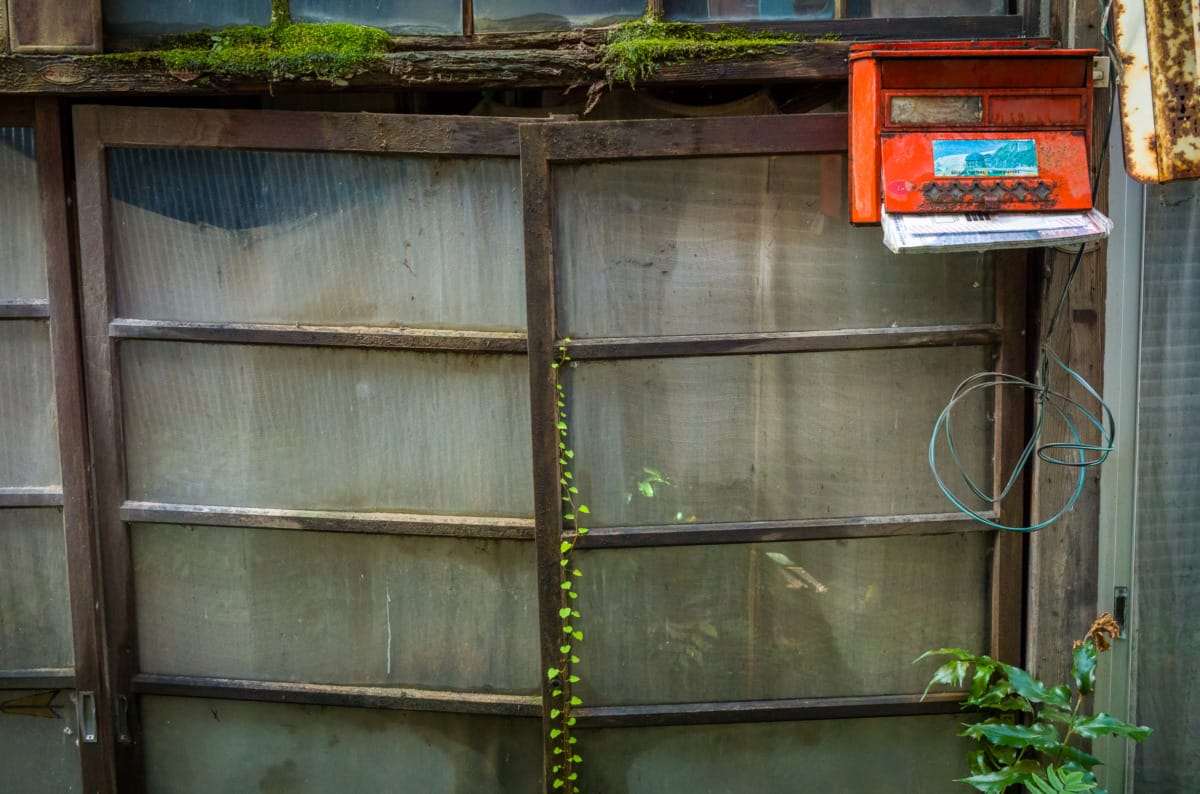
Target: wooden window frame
x=543, y=147
x=98, y=129
x=540, y=146
x=74, y=497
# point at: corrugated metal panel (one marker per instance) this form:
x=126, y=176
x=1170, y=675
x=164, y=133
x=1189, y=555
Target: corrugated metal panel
x=1160, y=106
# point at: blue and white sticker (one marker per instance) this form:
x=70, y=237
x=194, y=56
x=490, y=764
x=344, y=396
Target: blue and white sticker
x=987, y=158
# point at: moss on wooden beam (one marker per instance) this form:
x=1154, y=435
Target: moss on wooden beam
x=442, y=69
x=636, y=50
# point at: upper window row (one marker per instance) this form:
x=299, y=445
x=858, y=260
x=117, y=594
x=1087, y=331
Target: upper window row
x=148, y=17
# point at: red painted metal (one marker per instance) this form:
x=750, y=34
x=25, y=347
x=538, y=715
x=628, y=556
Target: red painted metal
x=1007, y=91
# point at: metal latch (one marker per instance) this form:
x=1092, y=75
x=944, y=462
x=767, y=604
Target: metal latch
x=86, y=712
x=1121, y=607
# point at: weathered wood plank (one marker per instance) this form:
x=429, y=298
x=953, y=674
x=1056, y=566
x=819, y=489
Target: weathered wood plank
x=61, y=26
x=773, y=531
x=338, y=695
x=769, y=710
x=1064, y=557
x=429, y=339
x=329, y=520
x=783, y=342
x=22, y=496
x=466, y=68
x=24, y=309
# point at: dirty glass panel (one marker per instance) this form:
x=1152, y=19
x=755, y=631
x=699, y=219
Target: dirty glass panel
x=741, y=244
x=152, y=17
x=35, y=619
x=22, y=254
x=441, y=613
x=527, y=15
x=38, y=754
x=896, y=754
x=778, y=620
x=320, y=428
x=397, y=16
x=353, y=239
x=706, y=10
x=28, y=445
x=196, y=746
x=1167, y=556
x=736, y=438
x=933, y=8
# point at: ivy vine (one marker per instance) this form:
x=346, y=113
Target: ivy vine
x=563, y=740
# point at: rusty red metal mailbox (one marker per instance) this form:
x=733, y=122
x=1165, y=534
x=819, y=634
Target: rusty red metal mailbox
x=969, y=126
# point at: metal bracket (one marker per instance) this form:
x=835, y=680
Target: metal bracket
x=1100, y=71
x=1121, y=608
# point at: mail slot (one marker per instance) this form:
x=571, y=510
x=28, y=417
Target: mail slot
x=969, y=126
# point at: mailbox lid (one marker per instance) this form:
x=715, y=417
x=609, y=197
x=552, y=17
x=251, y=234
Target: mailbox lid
x=1017, y=171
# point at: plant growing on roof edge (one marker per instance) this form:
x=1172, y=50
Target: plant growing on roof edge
x=563, y=740
x=1037, y=752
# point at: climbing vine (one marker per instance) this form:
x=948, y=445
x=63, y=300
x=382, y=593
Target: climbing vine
x=561, y=676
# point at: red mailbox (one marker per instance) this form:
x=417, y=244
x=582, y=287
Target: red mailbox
x=969, y=127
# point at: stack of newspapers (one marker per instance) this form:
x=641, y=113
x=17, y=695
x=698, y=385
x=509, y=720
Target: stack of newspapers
x=981, y=231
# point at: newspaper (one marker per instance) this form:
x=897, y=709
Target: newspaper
x=981, y=231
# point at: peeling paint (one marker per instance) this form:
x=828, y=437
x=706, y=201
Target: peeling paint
x=1160, y=104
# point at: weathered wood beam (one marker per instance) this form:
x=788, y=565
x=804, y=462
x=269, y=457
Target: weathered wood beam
x=442, y=69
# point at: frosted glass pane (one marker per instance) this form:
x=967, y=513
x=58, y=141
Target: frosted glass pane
x=443, y=613
x=355, y=239
x=196, y=746
x=28, y=444
x=738, y=245
x=22, y=254
x=398, y=16
x=778, y=620
x=868, y=756
x=1167, y=539
x=768, y=437
x=937, y=8
x=35, y=616
x=38, y=754
x=336, y=429
x=150, y=17
x=525, y=15
x=704, y=10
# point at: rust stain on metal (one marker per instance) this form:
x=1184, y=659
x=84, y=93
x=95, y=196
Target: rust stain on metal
x=1160, y=104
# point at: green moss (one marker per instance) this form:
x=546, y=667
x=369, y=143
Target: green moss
x=283, y=51
x=636, y=49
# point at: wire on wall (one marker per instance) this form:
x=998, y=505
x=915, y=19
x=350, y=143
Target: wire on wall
x=1071, y=451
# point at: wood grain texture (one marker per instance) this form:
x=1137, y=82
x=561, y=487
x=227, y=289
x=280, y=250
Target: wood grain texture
x=388, y=523
x=1064, y=557
x=422, y=339
x=59, y=26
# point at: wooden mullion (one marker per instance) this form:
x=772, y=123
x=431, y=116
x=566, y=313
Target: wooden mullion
x=468, y=18
x=24, y=309
x=107, y=438
x=377, y=697
x=422, y=339
x=35, y=496
x=699, y=137
x=543, y=397
x=1009, y=437
x=774, y=531
x=783, y=342
x=283, y=130
x=769, y=710
x=373, y=523
x=82, y=543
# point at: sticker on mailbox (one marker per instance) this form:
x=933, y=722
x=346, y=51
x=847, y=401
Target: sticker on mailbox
x=1008, y=157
